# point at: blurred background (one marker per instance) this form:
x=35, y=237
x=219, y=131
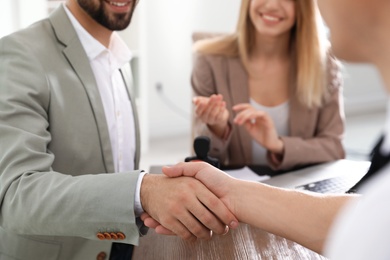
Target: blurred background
x=160, y=39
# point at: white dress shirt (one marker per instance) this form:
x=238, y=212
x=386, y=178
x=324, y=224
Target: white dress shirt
x=105, y=64
x=362, y=229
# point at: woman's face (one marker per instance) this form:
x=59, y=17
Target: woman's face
x=272, y=17
x=351, y=23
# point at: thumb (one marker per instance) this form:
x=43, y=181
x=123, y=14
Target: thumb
x=172, y=171
x=189, y=169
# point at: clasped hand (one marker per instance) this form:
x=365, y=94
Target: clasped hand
x=185, y=207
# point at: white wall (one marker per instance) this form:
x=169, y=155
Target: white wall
x=16, y=14
x=8, y=18
x=169, y=56
x=31, y=11
x=363, y=89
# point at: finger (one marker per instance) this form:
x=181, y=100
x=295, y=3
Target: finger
x=196, y=100
x=250, y=115
x=215, y=112
x=151, y=222
x=160, y=229
x=145, y=216
x=164, y=231
x=212, y=107
x=216, y=215
x=200, y=99
x=200, y=107
x=243, y=116
x=207, y=111
x=221, y=110
x=189, y=169
x=216, y=97
x=182, y=226
x=194, y=228
x=241, y=106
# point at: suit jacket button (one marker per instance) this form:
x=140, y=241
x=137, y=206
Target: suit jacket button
x=120, y=235
x=100, y=236
x=107, y=235
x=114, y=236
x=101, y=256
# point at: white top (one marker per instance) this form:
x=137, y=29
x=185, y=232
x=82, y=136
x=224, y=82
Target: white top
x=279, y=115
x=362, y=231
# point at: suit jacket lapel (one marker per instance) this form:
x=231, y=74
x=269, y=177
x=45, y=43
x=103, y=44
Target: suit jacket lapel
x=239, y=93
x=128, y=79
x=74, y=52
x=299, y=116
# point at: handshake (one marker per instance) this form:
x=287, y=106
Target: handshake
x=191, y=200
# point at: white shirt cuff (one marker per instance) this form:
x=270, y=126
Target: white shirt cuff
x=138, y=210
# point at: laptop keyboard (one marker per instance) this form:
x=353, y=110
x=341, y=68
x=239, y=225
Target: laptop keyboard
x=332, y=185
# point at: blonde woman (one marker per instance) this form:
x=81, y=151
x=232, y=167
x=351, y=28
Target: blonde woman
x=270, y=93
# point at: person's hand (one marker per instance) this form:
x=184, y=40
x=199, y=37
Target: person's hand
x=260, y=126
x=217, y=181
x=184, y=206
x=212, y=111
x=152, y=223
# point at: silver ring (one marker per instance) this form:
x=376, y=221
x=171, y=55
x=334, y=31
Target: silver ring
x=226, y=230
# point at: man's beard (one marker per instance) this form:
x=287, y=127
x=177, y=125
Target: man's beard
x=113, y=22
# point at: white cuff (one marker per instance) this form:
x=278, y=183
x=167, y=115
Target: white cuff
x=138, y=210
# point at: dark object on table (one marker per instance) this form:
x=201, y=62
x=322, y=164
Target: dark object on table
x=202, y=148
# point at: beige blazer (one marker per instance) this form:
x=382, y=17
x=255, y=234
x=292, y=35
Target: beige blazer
x=56, y=191
x=315, y=134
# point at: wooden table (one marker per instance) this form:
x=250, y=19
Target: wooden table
x=246, y=242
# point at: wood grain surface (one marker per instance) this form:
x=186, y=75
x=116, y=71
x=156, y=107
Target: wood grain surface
x=245, y=242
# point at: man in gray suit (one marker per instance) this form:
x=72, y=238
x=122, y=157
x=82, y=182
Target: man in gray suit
x=69, y=144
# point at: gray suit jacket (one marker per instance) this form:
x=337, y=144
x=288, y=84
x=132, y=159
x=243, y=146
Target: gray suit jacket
x=315, y=133
x=57, y=192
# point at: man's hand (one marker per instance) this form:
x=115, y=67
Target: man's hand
x=152, y=223
x=184, y=206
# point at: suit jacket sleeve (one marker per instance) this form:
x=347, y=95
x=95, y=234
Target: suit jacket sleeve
x=36, y=199
x=325, y=143
x=204, y=84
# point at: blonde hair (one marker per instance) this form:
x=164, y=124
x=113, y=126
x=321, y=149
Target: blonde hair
x=309, y=45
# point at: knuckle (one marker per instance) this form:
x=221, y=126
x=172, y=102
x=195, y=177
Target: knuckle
x=207, y=219
x=203, y=164
x=214, y=202
x=175, y=210
x=198, y=231
x=187, y=236
x=190, y=185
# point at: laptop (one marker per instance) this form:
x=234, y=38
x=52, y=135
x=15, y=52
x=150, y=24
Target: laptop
x=333, y=177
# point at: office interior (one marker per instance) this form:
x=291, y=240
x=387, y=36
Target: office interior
x=160, y=39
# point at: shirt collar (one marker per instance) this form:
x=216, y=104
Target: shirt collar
x=121, y=54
